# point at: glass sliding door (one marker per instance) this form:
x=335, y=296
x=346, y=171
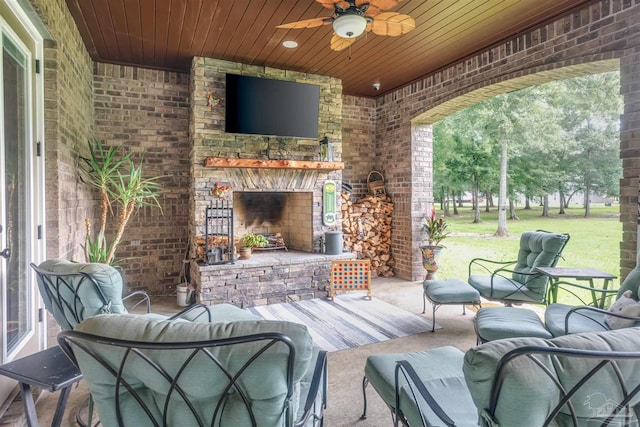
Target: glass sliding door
x=21, y=191
x=14, y=251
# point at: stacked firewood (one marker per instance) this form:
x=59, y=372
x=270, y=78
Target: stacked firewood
x=213, y=242
x=366, y=225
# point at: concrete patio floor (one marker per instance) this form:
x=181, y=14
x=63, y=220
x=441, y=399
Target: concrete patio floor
x=344, y=405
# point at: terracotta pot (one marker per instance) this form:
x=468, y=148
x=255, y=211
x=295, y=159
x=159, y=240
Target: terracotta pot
x=430, y=258
x=244, y=253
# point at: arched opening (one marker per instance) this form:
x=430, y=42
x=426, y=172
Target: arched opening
x=422, y=135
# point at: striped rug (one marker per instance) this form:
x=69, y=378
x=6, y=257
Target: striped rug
x=349, y=321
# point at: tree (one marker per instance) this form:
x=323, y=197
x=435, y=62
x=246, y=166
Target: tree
x=591, y=107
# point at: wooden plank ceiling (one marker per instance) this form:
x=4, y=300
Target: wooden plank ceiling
x=166, y=34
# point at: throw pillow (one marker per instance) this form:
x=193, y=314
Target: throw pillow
x=624, y=305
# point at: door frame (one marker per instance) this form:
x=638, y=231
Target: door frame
x=19, y=25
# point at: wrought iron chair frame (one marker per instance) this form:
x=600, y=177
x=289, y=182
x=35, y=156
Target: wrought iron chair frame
x=82, y=341
x=612, y=359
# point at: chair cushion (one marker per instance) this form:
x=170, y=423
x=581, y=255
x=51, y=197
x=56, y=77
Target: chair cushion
x=528, y=395
x=107, y=277
x=494, y=323
x=451, y=394
x=450, y=291
x=503, y=288
x=632, y=281
x=440, y=368
x=537, y=249
x=219, y=313
x=579, y=322
x=264, y=381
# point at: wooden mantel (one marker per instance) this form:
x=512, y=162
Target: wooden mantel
x=221, y=162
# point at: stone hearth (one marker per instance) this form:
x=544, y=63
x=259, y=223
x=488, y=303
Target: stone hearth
x=266, y=278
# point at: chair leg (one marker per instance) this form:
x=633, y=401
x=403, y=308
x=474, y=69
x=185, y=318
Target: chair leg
x=424, y=302
x=365, y=382
x=433, y=317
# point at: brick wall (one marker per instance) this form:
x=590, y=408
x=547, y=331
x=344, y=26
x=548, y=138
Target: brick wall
x=68, y=121
x=68, y=125
x=596, y=38
x=358, y=133
x=147, y=112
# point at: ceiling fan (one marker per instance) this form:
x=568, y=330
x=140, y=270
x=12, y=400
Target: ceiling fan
x=351, y=18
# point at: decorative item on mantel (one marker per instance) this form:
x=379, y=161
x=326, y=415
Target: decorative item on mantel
x=435, y=229
x=326, y=150
x=220, y=190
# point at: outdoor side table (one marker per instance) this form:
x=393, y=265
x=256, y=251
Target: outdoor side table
x=560, y=275
x=48, y=369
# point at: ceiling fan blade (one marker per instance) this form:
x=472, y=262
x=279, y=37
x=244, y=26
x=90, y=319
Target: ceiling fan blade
x=307, y=23
x=330, y=4
x=338, y=43
x=392, y=24
x=378, y=4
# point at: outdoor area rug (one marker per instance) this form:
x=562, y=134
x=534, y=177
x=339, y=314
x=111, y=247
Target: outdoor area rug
x=349, y=321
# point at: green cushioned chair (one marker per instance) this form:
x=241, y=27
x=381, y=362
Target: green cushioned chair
x=590, y=379
x=518, y=281
x=73, y=292
x=561, y=319
x=143, y=371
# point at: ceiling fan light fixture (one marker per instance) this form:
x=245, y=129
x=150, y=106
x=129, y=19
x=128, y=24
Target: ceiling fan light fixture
x=349, y=25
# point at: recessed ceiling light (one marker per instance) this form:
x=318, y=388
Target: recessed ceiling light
x=290, y=44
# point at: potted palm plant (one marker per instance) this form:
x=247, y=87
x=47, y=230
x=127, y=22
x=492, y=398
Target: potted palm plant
x=122, y=189
x=435, y=230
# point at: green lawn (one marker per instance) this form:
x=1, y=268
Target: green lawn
x=595, y=241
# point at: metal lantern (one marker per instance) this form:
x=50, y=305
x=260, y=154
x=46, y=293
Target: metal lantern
x=326, y=150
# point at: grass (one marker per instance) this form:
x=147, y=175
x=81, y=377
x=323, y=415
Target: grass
x=594, y=242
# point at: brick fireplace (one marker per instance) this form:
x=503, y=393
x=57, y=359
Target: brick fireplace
x=276, y=187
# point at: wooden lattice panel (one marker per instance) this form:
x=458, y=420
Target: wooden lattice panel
x=353, y=275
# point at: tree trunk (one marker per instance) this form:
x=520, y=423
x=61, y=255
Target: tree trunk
x=545, y=206
x=512, y=210
x=502, y=197
x=561, y=193
x=486, y=202
x=476, y=205
x=587, y=199
x=453, y=202
x=569, y=198
x=527, y=203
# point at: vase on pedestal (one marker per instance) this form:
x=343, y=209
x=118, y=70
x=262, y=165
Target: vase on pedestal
x=430, y=258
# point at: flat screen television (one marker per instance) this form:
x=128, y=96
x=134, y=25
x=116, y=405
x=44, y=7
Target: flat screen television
x=262, y=106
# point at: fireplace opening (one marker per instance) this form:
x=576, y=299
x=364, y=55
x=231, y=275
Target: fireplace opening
x=288, y=215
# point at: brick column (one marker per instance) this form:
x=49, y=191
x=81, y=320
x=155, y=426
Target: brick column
x=630, y=155
x=421, y=191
